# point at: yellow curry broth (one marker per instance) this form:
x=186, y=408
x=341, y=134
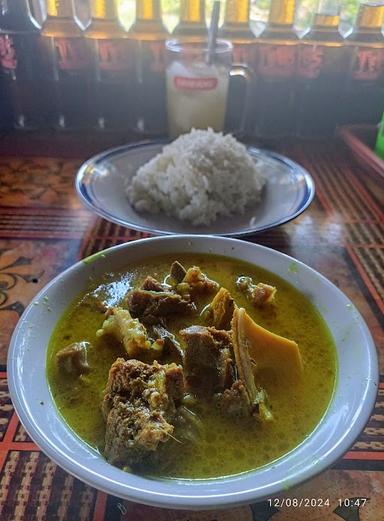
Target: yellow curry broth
x=228, y=446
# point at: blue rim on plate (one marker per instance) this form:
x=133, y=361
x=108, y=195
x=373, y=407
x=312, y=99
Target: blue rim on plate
x=102, y=165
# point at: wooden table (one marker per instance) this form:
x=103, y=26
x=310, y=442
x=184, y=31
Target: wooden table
x=44, y=229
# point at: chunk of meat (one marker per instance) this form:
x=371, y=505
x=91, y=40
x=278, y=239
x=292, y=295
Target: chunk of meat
x=259, y=294
x=150, y=306
x=188, y=426
x=171, y=347
x=220, y=311
x=73, y=358
x=139, y=406
x=234, y=401
x=151, y=284
x=257, y=396
x=131, y=333
x=177, y=272
x=196, y=282
x=208, y=362
x=188, y=430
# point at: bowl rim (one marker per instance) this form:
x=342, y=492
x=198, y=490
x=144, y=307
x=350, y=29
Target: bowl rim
x=188, y=499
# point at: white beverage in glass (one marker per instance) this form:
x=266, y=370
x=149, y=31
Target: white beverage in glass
x=197, y=96
x=198, y=76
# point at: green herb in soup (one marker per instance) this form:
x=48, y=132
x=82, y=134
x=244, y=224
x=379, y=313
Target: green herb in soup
x=198, y=367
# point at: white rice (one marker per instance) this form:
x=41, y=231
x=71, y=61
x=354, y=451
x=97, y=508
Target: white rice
x=197, y=178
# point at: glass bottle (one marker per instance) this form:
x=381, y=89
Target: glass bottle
x=19, y=63
x=236, y=26
x=5, y=107
x=112, y=88
x=67, y=66
x=83, y=11
x=364, y=93
x=322, y=68
x=276, y=73
x=149, y=35
x=192, y=19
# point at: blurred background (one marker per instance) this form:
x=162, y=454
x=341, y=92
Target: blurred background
x=258, y=12
x=102, y=64
x=258, y=15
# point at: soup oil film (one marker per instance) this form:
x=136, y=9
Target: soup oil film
x=214, y=404
x=78, y=65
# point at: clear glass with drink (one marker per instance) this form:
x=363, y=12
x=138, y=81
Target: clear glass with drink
x=197, y=84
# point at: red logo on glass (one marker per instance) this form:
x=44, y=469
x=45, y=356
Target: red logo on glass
x=183, y=83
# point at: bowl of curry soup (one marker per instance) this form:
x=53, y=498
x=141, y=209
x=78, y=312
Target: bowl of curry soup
x=192, y=372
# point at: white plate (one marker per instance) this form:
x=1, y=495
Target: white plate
x=345, y=418
x=101, y=183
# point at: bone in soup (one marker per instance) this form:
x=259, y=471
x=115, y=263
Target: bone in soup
x=191, y=366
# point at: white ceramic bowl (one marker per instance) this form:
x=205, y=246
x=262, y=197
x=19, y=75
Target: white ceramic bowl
x=346, y=416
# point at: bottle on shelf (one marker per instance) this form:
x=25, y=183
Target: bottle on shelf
x=275, y=103
x=111, y=85
x=237, y=29
x=149, y=34
x=192, y=20
x=5, y=107
x=37, y=8
x=364, y=93
x=83, y=11
x=322, y=68
x=66, y=67
x=19, y=63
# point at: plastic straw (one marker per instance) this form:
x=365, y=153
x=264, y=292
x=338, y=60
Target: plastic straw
x=212, y=32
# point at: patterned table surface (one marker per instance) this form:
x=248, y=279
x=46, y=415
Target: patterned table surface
x=44, y=229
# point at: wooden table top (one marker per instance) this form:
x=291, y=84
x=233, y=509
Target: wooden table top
x=44, y=229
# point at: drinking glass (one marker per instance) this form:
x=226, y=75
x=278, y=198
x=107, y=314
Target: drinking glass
x=197, y=84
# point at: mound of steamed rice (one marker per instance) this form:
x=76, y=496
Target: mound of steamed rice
x=197, y=178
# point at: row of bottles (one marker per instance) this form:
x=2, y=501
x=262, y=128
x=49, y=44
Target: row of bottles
x=308, y=85
x=63, y=76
